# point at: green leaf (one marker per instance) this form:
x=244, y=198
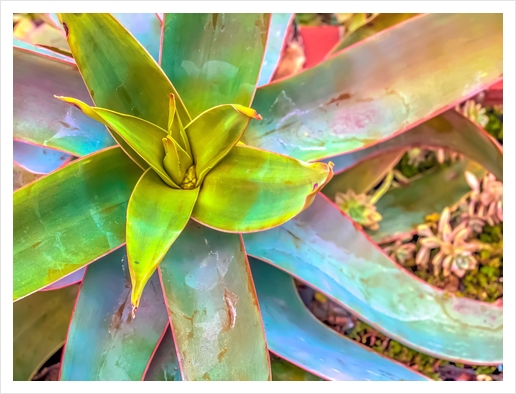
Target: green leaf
x=324, y=248
x=40, y=324
x=213, y=307
x=70, y=217
x=373, y=26
x=145, y=138
x=296, y=335
x=175, y=127
x=252, y=190
x=164, y=365
x=451, y=130
x=39, y=119
x=105, y=342
x=120, y=77
x=364, y=175
x=176, y=161
x=214, y=132
x=404, y=208
x=156, y=215
x=386, y=85
x=214, y=59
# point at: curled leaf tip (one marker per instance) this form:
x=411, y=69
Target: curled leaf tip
x=331, y=165
x=247, y=112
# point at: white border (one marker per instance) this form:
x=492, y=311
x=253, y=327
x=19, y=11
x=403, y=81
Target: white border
x=7, y=8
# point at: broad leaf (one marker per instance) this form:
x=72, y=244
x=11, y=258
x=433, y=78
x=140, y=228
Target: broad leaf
x=42, y=120
x=393, y=81
x=251, y=190
x=164, y=365
x=104, y=341
x=214, y=132
x=213, y=307
x=40, y=323
x=373, y=26
x=404, y=208
x=214, y=59
x=145, y=27
x=275, y=43
x=69, y=280
x=122, y=78
x=324, y=248
x=142, y=136
x=69, y=218
x=156, y=215
x=450, y=130
x=364, y=175
x=296, y=335
x=38, y=159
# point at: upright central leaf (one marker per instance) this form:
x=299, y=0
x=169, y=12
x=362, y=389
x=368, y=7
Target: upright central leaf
x=214, y=59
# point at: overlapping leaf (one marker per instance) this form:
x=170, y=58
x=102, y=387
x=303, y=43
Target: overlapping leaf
x=213, y=307
x=40, y=323
x=86, y=201
x=104, y=341
x=296, y=335
x=354, y=100
x=324, y=248
x=214, y=59
x=236, y=194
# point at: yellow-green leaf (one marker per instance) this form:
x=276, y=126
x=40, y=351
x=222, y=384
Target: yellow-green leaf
x=214, y=132
x=175, y=126
x=143, y=137
x=252, y=190
x=156, y=215
x=176, y=161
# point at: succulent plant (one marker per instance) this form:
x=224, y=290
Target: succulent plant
x=455, y=251
x=156, y=189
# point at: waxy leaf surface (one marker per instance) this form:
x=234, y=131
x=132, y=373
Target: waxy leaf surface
x=37, y=159
x=214, y=59
x=142, y=136
x=393, y=81
x=40, y=323
x=324, y=248
x=156, y=215
x=104, y=341
x=251, y=190
x=86, y=201
x=42, y=120
x=296, y=335
x=214, y=132
x=450, y=131
x=275, y=43
x=145, y=27
x=73, y=278
x=164, y=365
x=213, y=307
x=123, y=78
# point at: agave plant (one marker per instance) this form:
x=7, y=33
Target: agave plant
x=185, y=168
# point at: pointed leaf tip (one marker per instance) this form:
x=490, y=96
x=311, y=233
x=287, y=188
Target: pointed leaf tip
x=247, y=111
